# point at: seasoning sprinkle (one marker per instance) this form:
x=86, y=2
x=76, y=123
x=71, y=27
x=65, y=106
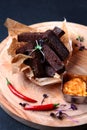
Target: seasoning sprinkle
x=80, y=46
x=22, y=104
x=52, y=114
x=73, y=107
x=80, y=38
x=44, y=97
x=61, y=112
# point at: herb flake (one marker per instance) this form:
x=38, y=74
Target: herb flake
x=80, y=38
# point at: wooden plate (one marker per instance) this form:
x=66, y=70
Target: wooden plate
x=10, y=103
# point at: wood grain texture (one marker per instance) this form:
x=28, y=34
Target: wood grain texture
x=10, y=103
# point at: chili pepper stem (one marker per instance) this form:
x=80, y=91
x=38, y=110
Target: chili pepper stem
x=7, y=81
x=55, y=105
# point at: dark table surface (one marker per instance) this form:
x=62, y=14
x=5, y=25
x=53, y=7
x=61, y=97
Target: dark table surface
x=36, y=11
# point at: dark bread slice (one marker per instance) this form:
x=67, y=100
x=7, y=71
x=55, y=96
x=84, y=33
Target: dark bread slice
x=36, y=64
x=55, y=43
x=58, y=32
x=29, y=36
x=25, y=49
x=53, y=59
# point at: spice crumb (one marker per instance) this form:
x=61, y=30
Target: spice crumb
x=22, y=104
x=52, y=114
x=44, y=96
x=80, y=38
x=81, y=48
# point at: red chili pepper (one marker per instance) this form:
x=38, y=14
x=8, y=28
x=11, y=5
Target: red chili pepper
x=45, y=107
x=14, y=91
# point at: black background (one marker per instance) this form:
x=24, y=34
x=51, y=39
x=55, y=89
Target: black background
x=36, y=11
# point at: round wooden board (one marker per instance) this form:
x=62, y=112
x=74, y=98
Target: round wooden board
x=41, y=120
